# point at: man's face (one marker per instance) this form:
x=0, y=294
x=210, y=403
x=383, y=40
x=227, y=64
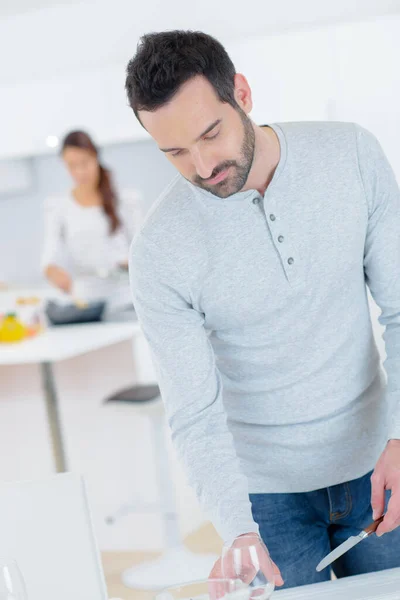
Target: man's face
x=210, y=142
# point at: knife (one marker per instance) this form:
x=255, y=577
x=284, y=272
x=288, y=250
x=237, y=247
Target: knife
x=350, y=543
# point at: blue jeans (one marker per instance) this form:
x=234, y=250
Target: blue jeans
x=299, y=529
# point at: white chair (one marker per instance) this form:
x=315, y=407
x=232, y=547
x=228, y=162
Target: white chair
x=46, y=527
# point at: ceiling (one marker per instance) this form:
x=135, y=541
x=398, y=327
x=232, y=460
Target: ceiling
x=43, y=39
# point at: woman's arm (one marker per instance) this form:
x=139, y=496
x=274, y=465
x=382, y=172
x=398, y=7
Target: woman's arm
x=58, y=277
x=54, y=251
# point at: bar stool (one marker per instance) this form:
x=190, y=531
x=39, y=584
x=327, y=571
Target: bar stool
x=177, y=564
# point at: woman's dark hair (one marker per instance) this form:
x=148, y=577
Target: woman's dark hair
x=166, y=60
x=80, y=139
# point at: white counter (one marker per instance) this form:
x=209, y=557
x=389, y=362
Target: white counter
x=383, y=585
x=67, y=341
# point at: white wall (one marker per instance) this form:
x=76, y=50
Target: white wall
x=291, y=76
x=294, y=76
x=368, y=80
x=93, y=100
x=347, y=72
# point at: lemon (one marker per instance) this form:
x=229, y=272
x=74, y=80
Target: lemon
x=11, y=329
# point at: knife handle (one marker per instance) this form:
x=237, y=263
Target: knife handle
x=374, y=526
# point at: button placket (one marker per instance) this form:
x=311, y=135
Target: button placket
x=282, y=243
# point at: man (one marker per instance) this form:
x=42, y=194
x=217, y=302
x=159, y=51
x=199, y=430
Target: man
x=249, y=279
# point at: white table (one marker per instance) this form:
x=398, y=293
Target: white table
x=383, y=585
x=57, y=344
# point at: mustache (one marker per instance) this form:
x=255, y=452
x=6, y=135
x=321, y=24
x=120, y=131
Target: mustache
x=222, y=167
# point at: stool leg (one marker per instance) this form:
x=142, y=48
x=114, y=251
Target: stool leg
x=177, y=564
x=53, y=416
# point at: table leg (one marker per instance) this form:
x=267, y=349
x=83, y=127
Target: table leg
x=53, y=417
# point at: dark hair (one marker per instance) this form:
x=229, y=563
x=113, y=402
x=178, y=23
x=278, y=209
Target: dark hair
x=166, y=60
x=80, y=139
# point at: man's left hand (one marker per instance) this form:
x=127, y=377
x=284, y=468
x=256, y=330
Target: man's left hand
x=386, y=476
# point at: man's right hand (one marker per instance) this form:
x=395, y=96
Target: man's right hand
x=224, y=567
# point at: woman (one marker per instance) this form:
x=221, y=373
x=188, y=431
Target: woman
x=88, y=232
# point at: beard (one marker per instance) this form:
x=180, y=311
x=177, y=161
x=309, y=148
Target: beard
x=238, y=169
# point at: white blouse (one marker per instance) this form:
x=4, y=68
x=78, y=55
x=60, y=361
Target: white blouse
x=78, y=237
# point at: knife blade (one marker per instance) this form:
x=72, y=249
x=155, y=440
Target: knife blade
x=348, y=544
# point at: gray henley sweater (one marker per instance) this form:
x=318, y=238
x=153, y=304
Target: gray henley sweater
x=256, y=312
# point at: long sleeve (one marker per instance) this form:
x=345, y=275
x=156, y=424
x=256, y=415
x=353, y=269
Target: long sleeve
x=191, y=388
x=54, y=251
x=382, y=256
